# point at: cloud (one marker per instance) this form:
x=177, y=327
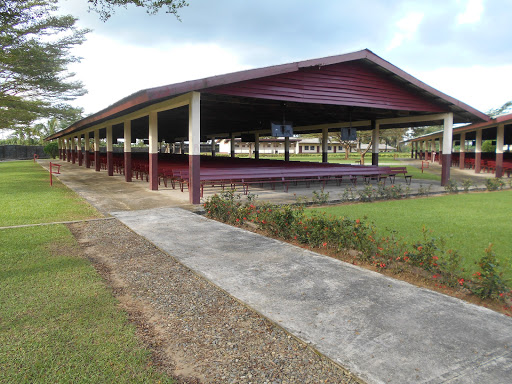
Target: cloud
x=407, y=27
x=472, y=13
x=112, y=70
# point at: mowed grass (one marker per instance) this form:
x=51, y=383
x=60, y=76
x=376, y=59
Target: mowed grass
x=27, y=198
x=468, y=222
x=59, y=323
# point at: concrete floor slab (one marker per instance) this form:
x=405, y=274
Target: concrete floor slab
x=382, y=330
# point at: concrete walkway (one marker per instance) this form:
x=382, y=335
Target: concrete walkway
x=380, y=329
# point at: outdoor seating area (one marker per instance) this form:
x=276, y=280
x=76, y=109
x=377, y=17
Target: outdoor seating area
x=225, y=172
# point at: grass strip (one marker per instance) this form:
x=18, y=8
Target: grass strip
x=27, y=197
x=58, y=321
x=467, y=222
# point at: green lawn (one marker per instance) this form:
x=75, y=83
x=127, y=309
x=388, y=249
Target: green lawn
x=468, y=222
x=27, y=198
x=59, y=323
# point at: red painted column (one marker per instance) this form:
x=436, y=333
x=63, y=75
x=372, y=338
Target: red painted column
x=375, y=143
x=153, y=151
x=462, y=151
x=194, y=188
x=499, y=164
x=478, y=162
x=447, y=148
x=110, y=155
x=79, y=150
x=194, y=139
x=110, y=163
x=500, y=142
x=478, y=151
x=73, y=151
x=97, y=159
x=87, y=148
x=153, y=171
x=68, y=150
x=128, y=151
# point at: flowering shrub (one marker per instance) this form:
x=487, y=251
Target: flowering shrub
x=489, y=278
x=493, y=184
x=289, y=222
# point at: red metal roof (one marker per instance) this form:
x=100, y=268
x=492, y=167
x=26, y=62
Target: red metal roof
x=360, y=79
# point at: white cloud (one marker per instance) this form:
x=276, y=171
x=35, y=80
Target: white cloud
x=472, y=13
x=481, y=87
x=407, y=27
x=112, y=70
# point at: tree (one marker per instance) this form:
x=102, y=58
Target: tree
x=106, y=8
x=35, y=52
x=504, y=109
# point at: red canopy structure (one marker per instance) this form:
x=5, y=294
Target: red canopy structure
x=358, y=89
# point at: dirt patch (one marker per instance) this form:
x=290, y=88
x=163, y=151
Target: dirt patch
x=196, y=332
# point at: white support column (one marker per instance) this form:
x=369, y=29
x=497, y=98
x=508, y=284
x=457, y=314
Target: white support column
x=447, y=148
x=462, y=150
x=500, y=142
x=110, y=148
x=73, y=149
x=153, y=151
x=97, y=158
x=194, y=142
x=87, y=148
x=478, y=151
x=325, y=142
x=79, y=149
x=128, y=150
x=440, y=150
x=375, y=142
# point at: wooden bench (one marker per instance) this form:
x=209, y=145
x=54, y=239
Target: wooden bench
x=400, y=170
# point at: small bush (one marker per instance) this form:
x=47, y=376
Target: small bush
x=489, y=277
x=494, y=184
x=51, y=149
x=451, y=186
x=466, y=184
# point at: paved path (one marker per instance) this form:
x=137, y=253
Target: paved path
x=382, y=330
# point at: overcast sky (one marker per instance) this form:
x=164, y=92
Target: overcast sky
x=461, y=47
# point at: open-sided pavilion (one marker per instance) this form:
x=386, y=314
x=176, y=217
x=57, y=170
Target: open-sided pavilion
x=498, y=130
x=359, y=90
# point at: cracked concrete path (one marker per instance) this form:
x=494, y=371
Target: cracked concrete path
x=380, y=329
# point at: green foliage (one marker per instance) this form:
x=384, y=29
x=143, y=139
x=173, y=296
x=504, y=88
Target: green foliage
x=493, y=184
x=36, y=45
x=449, y=217
x=340, y=234
x=60, y=324
x=106, y=8
x=51, y=149
x=451, y=186
x=489, y=277
x=27, y=197
x=466, y=184
x=487, y=146
x=320, y=197
x=504, y=109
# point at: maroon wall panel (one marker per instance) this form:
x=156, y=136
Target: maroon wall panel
x=342, y=84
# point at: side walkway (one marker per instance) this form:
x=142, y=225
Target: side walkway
x=382, y=330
